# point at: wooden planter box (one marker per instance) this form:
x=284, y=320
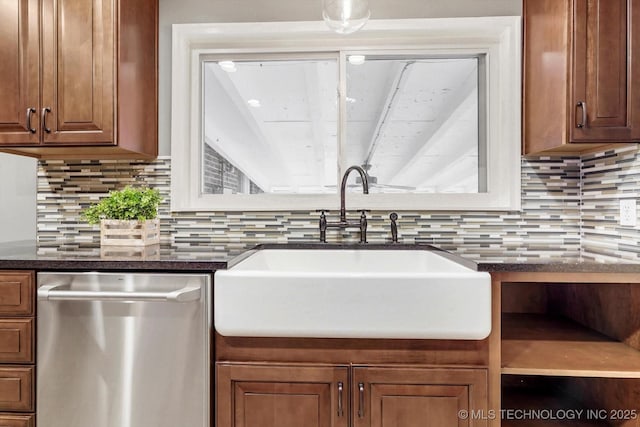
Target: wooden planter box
x=115, y=232
x=130, y=253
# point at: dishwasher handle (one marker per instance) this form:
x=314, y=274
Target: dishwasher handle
x=62, y=292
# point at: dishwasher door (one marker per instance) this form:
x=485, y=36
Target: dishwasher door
x=123, y=350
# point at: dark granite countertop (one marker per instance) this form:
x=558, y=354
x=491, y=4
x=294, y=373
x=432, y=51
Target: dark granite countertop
x=74, y=256
x=558, y=266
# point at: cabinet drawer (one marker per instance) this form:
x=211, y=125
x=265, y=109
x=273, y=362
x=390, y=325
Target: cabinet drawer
x=11, y=420
x=16, y=341
x=16, y=388
x=16, y=293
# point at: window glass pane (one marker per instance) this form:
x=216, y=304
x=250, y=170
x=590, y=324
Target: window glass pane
x=269, y=127
x=413, y=123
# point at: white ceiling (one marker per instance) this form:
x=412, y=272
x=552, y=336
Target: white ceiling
x=414, y=121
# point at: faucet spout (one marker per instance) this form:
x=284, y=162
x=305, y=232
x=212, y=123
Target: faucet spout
x=343, y=188
x=343, y=223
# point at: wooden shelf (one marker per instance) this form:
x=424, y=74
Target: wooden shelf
x=534, y=344
x=523, y=399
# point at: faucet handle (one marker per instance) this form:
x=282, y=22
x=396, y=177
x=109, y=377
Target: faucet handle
x=322, y=225
x=363, y=226
x=323, y=217
x=394, y=227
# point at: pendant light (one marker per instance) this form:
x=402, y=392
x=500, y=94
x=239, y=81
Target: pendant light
x=345, y=16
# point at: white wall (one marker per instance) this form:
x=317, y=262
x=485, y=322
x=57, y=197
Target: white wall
x=185, y=11
x=17, y=198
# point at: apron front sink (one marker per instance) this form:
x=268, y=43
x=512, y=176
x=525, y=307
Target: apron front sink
x=352, y=293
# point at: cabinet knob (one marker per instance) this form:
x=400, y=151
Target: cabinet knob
x=45, y=110
x=30, y=111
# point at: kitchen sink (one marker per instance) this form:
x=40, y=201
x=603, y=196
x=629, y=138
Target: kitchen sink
x=411, y=292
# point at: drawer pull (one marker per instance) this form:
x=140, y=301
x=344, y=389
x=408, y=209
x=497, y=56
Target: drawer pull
x=361, y=400
x=30, y=111
x=45, y=110
x=583, y=106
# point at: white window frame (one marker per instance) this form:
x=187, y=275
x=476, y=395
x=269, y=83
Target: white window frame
x=498, y=38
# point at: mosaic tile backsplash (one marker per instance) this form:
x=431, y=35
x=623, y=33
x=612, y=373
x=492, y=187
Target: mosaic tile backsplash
x=607, y=177
x=549, y=225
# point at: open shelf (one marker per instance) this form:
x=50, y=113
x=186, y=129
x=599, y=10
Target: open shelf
x=516, y=398
x=537, y=344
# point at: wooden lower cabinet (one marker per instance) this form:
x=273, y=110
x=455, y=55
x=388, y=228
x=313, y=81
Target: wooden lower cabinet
x=274, y=395
x=16, y=293
x=16, y=340
x=419, y=397
x=12, y=420
x=17, y=348
x=16, y=388
x=281, y=396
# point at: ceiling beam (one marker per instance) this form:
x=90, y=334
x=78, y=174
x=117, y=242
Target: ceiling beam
x=457, y=104
x=400, y=73
x=453, y=147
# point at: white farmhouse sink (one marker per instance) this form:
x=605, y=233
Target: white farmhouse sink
x=352, y=293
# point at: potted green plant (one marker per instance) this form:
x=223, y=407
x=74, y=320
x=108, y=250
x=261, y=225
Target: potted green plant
x=127, y=217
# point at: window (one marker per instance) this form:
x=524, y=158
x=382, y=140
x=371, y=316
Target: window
x=268, y=117
x=412, y=122
x=269, y=125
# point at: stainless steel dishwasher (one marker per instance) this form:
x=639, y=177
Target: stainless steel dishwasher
x=123, y=350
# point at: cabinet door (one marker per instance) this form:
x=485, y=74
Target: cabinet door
x=603, y=108
x=16, y=293
x=13, y=420
x=281, y=396
x=19, y=72
x=405, y=397
x=78, y=71
x=16, y=341
x=16, y=389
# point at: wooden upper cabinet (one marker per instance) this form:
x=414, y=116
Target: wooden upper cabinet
x=94, y=95
x=406, y=397
x=281, y=396
x=19, y=72
x=601, y=72
x=580, y=74
x=78, y=81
